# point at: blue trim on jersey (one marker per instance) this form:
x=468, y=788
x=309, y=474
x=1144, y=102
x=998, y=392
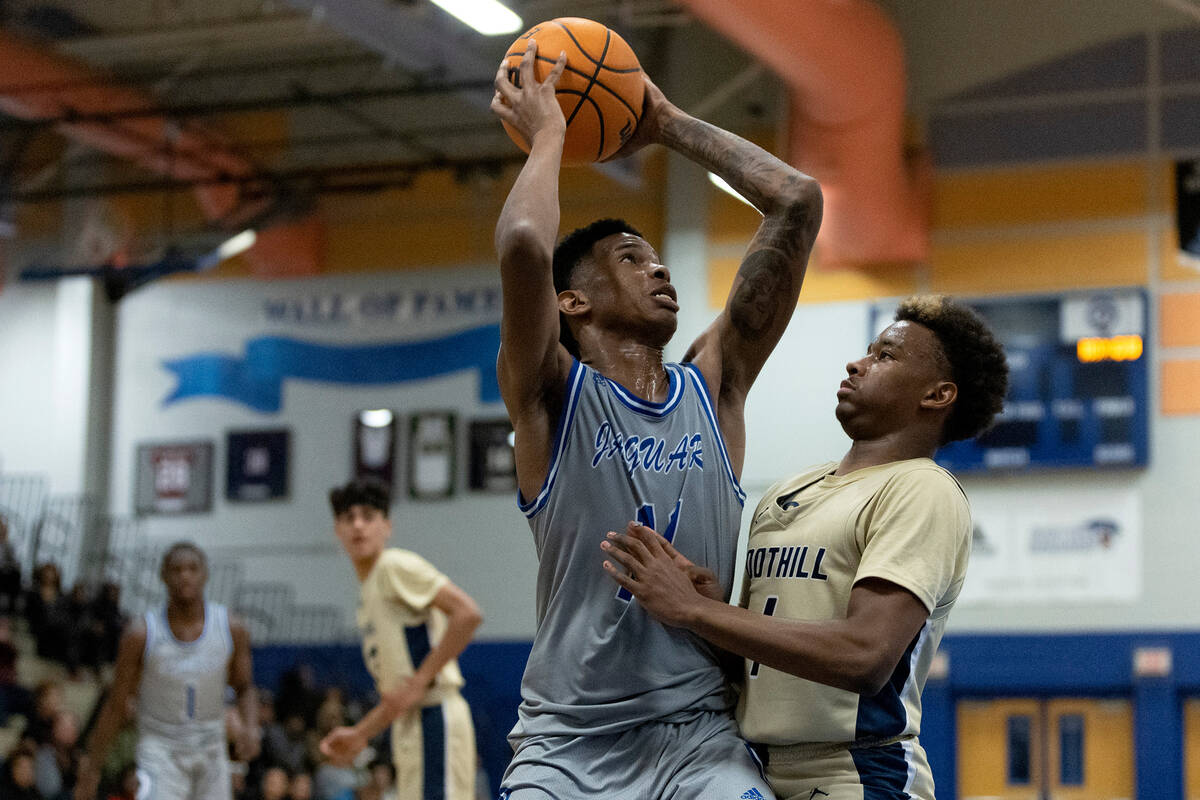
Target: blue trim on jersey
x=645, y=407
x=884, y=714
x=883, y=771
x=574, y=384
x=706, y=404
x=417, y=637
x=166, y=623
x=433, y=741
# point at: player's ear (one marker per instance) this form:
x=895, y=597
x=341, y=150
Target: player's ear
x=573, y=302
x=941, y=395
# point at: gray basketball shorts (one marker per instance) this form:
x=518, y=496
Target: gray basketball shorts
x=702, y=759
x=169, y=771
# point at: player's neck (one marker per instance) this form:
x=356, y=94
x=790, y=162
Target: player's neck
x=180, y=610
x=637, y=367
x=363, y=567
x=864, y=453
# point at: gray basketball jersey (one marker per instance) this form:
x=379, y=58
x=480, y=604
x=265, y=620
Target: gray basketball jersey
x=599, y=663
x=181, y=697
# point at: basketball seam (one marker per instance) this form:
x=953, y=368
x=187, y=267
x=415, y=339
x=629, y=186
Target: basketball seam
x=592, y=79
x=601, y=84
x=603, y=67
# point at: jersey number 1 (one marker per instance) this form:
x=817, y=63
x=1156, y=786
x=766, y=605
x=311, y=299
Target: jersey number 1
x=645, y=516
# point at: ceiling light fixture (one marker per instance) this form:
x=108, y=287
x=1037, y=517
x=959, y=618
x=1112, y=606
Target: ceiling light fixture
x=486, y=16
x=720, y=183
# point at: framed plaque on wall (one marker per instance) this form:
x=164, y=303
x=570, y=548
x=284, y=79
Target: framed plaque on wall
x=257, y=465
x=174, y=478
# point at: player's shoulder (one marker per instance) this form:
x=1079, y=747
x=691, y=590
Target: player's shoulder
x=399, y=559
x=923, y=470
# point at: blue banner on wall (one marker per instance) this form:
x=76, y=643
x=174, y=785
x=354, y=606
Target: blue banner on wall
x=257, y=380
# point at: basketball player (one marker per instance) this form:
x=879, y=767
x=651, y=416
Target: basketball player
x=614, y=704
x=852, y=567
x=178, y=660
x=414, y=623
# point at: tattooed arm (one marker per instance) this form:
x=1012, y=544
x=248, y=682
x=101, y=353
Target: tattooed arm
x=732, y=351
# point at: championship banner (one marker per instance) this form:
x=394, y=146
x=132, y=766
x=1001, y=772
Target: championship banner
x=257, y=380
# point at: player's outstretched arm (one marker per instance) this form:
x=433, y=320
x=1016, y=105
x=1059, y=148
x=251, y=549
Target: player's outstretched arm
x=462, y=618
x=857, y=653
x=734, y=348
x=532, y=366
x=127, y=674
x=241, y=677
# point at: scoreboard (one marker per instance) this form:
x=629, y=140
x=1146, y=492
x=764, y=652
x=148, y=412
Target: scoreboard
x=1078, y=377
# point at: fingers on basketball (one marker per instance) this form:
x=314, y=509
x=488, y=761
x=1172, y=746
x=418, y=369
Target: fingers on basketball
x=600, y=86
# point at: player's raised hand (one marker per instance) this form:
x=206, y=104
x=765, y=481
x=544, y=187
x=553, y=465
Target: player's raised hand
x=655, y=108
x=525, y=103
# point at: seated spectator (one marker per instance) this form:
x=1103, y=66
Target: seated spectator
x=286, y=745
x=17, y=782
x=298, y=694
x=274, y=784
x=69, y=622
x=10, y=572
x=14, y=698
x=57, y=761
x=301, y=787
x=329, y=780
x=379, y=785
x=106, y=621
x=47, y=702
x=41, y=597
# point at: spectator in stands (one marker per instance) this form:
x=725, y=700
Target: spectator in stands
x=70, y=623
x=298, y=693
x=301, y=787
x=41, y=597
x=56, y=762
x=47, y=702
x=274, y=784
x=14, y=698
x=17, y=782
x=10, y=572
x=287, y=745
x=330, y=779
x=107, y=621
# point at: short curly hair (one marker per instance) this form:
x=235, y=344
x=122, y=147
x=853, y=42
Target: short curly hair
x=975, y=359
x=570, y=252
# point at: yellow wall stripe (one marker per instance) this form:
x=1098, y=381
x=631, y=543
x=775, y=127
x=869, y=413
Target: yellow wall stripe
x=1036, y=195
x=1041, y=263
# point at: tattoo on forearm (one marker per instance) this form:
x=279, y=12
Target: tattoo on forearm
x=765, y=279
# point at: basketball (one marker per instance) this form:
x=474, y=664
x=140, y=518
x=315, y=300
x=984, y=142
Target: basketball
x=600, y=90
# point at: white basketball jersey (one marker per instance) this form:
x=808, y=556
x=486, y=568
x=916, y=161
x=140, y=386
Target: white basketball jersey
x=181, y=697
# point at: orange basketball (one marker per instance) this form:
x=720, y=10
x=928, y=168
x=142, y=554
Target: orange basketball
x=600, y=90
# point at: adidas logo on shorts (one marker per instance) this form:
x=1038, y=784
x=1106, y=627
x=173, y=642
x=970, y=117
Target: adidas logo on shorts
x=752, y=794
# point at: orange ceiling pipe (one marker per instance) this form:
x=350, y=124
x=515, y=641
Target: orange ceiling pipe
x=42, y=85
x=843, y=62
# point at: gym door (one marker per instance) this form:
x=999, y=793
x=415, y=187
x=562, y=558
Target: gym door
x=1045, y=749
x=1191, y=748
